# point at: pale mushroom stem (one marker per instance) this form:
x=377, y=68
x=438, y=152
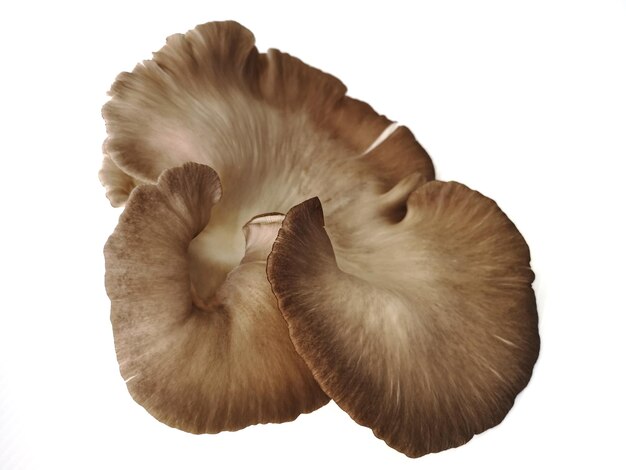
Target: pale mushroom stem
x=212, y=257
x=260, y=235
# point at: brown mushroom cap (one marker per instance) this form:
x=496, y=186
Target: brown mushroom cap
x=422, y=327
x=210, y=97
x=199, y=366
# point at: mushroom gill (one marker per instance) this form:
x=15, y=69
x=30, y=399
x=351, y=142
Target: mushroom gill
x=276, y=131
x=423, y=329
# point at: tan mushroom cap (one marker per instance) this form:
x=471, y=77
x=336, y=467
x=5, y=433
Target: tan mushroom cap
x=199, y=366
x=421, y=327
x=210, y=97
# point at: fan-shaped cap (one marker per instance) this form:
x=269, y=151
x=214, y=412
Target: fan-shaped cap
x=210, y=97
x=424, y=327
x=201, y=365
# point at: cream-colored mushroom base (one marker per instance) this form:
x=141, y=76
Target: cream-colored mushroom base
x=412, y=309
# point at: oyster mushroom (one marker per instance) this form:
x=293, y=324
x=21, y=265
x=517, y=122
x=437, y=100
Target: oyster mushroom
x=210, y=97
x=424, y=328
x=412, y=307
x=199, y=366
x=192, y=308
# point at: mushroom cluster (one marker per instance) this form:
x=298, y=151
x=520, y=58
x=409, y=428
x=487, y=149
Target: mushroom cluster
x=283, y=244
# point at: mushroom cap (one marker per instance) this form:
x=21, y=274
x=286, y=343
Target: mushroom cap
x=202, y=367
x=423, y=327
x=258, y=119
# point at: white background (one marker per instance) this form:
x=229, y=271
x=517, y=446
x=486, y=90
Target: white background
x=524, y=101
